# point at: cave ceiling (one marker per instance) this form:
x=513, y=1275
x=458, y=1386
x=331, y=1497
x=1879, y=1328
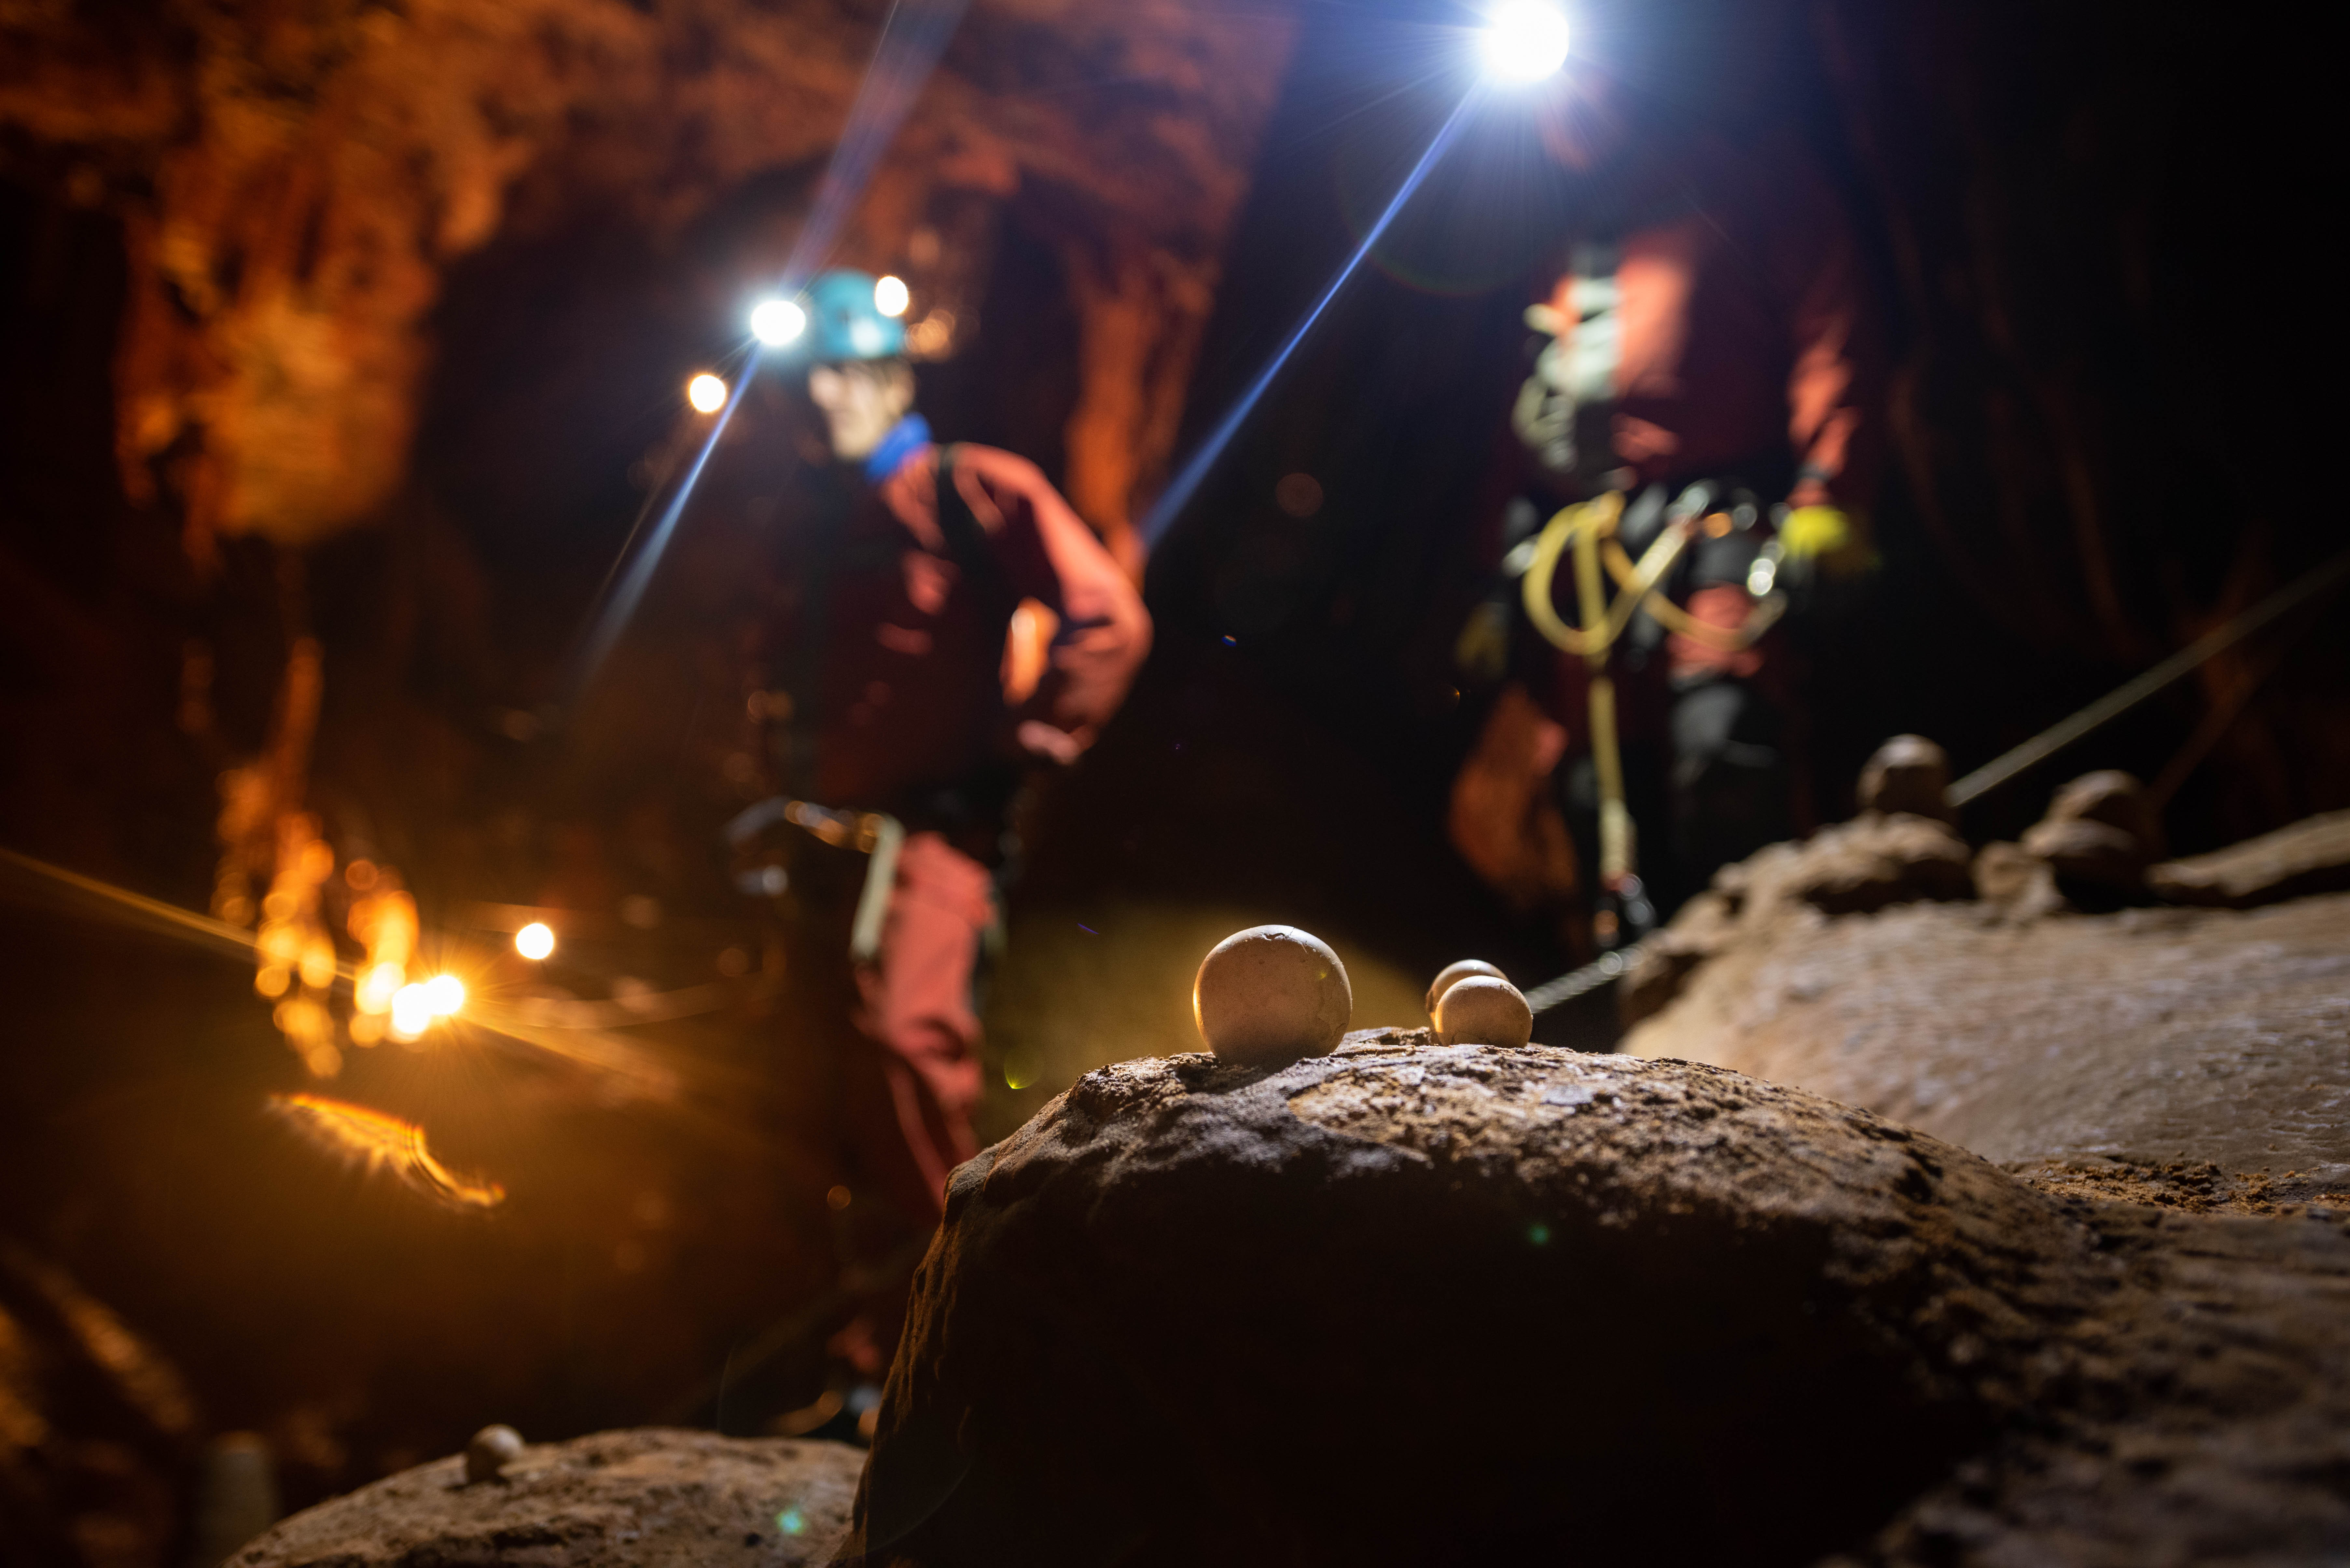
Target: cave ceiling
x=293, y=181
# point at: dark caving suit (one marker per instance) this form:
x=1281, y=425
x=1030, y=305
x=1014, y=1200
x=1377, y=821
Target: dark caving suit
x=893, y=650
x=1712, y=329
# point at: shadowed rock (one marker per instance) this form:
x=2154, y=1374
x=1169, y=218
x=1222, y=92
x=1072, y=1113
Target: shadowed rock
x=646, y=1499
x=2310, y=856
x=1417, y=1304
x=1909, y=773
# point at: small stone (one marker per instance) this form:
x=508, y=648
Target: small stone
x=491, y=1451
x=1483, y=1010
x=1271, y=994
x=1909, y=773
x=1460, y=971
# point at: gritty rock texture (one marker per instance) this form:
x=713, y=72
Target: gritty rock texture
x=1412, y=1303
x=2146, y=1034
x=2310, y=856
x=1421, y=1303
x=2206, y=1420
x=1873, y=862
x=643, y=1499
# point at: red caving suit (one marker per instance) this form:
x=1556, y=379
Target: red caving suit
x=910, y=704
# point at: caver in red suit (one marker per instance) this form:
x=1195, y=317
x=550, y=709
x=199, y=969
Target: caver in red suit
x=912, y=696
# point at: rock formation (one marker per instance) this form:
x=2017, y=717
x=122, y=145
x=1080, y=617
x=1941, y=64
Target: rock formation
x=643, y=1499
x=294, y=185
x=2016, y=1025
x=1413, y=1303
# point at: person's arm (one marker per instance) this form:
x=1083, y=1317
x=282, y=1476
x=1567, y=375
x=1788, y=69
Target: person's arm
x=1050, y=556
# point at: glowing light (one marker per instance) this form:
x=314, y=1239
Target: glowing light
x=890, y=296
x=534, y=941
x=411, y=1013
x=913, y=36
x=777, y=321
x=706, y=393
x=444, y=994
x=383, y=1143
x=1524, y=40
x=379, y=983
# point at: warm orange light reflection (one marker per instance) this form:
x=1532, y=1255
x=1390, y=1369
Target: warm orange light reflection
x=444, y=994
x=384, y=1143
x=706, y=393
x=411, y=1013
x=534, y=941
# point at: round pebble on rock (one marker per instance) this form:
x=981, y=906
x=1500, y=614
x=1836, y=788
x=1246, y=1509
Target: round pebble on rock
x=1458, y=971
x=491, y=1451
x=1272, y=993
x=1483, y=1010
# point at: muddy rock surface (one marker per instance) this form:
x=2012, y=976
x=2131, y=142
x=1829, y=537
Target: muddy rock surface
x=2146, y=1035
x=652, y=1497
x=1417, y=1304
x=2310, y=856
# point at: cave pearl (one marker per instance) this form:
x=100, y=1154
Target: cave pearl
x=1483, y=1010
x=1271, y=994
x=491, y=1451
x=1453, y=972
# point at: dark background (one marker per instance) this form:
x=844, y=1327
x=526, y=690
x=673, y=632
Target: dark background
x=2096, y=229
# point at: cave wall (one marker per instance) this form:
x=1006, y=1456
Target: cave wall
x=295, y=180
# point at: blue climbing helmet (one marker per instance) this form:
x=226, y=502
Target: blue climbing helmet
x=845, y=320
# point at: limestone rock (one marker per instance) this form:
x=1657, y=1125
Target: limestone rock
x=2020, y=884
x=1909, y=773
x=2310, y=856
x=643, y=1499
x=2146, y=1034
x=1412, y=1303
x=1418, y=1304
x=1870, y=863
x=2101, y=830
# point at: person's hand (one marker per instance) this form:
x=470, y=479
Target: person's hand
x=1045, y=743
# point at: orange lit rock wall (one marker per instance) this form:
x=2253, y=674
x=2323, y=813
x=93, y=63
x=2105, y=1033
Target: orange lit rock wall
x=294, y=179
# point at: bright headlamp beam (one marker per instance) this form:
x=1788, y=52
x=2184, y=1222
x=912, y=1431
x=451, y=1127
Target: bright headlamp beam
x=913, y=38
x=1180, y=490
x=776, y=322
x=1524, y=40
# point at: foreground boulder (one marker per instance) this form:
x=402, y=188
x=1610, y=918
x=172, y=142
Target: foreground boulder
x=646, y=1499
x=1410, y=1303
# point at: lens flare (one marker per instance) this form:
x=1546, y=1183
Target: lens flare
x=706, y=393
x=411, y=1014
x=383, y=1143
x=444, y=994
x=775, y=322
x=1526, y=40
x=890, y=296
x=1179, y=489
x=534, y=941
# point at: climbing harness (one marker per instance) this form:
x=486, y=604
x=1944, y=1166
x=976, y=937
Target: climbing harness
x=874, y=834
x=1590, y=529
x=2311, y=585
